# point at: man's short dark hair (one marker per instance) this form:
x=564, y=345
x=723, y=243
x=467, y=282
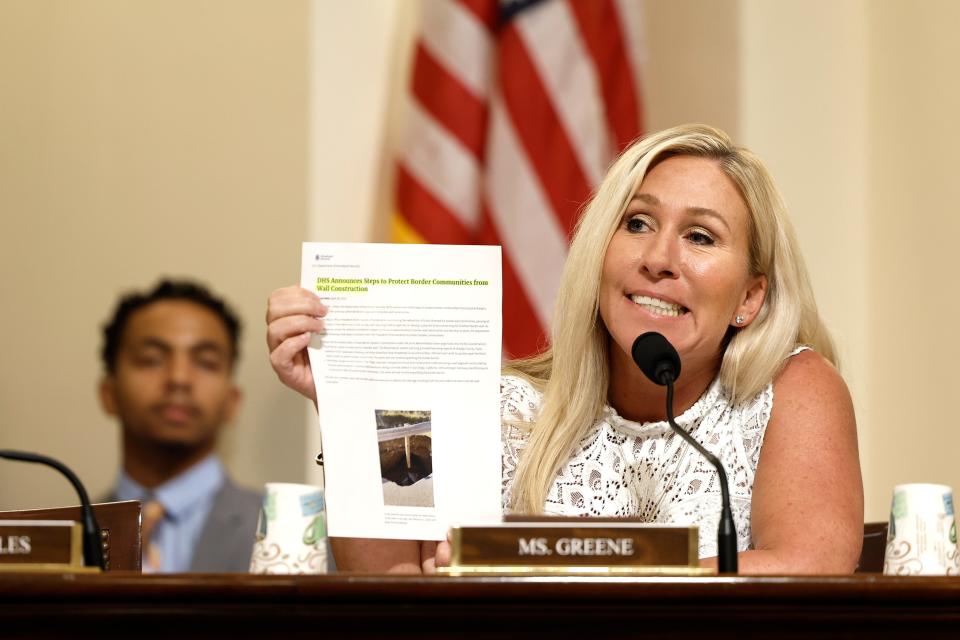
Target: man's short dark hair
x=166, y=290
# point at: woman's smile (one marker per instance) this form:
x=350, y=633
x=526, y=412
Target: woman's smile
x=658, y=306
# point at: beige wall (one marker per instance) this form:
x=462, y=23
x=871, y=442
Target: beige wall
x=914, y=97
x=804, y=110
x=211, y=138
x=693, y=64
x=852, y=105
x=139, y=139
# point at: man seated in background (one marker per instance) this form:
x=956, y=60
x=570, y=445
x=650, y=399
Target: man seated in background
x=169, y=357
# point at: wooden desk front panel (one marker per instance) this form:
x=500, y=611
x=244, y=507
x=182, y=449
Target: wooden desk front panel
x=242, y=606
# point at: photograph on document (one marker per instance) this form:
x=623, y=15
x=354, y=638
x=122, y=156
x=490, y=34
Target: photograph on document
x=406, y=457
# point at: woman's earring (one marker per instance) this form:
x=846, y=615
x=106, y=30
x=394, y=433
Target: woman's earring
x=739, y=319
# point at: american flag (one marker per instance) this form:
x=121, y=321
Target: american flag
x=515, y=110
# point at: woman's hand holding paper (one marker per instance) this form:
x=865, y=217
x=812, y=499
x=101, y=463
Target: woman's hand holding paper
x=293, y=316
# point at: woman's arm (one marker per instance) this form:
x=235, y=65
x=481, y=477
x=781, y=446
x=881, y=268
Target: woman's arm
x=807, y=509
x=369, y=555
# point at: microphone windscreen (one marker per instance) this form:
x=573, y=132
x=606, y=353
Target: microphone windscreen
x=655, y=356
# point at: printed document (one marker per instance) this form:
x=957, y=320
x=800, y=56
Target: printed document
x=408, y=380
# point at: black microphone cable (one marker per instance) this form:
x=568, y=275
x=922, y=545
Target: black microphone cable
x=92, y=545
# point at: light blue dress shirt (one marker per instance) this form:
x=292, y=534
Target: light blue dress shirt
x=186, y=501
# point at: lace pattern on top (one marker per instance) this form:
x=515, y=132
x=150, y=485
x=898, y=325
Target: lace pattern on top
x=628, y=469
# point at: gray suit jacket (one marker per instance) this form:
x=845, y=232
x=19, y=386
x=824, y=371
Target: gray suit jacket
x=228, y=535
x=226, y=540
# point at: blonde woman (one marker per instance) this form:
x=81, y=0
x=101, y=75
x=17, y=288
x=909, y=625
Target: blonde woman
x=688, y=236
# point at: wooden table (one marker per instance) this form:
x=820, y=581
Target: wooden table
x=243, y=606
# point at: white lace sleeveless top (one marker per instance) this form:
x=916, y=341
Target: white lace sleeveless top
x=627, y=469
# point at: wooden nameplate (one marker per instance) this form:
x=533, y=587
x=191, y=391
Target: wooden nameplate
x=42, y=546
x=575, y=546
x=119, y=529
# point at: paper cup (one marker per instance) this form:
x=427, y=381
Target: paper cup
x=292, y=531
x=922, y=539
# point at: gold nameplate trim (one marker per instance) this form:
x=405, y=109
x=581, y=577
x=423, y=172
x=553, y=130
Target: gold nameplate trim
x=575, y=571
x=46, y=568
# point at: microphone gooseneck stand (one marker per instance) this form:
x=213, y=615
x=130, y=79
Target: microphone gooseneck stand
x=727, y=529
x=92, y=545
x=660, y=362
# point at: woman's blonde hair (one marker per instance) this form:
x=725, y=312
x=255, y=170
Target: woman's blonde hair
x=573, y=373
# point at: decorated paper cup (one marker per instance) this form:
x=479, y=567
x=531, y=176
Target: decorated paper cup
x=922, y=539
x=292, y=531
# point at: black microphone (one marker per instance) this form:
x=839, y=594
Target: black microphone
x=92, y=546
x=660, y=362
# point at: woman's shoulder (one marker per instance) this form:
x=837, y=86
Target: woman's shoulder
x=807, y=375
x=806, y=366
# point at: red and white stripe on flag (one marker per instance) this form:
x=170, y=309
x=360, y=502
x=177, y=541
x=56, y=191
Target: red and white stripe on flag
x=514, y=112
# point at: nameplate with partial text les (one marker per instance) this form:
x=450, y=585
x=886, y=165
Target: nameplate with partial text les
x=575, y=546
x=40, y=544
